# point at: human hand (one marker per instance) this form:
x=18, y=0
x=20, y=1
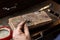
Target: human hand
x=21, y=32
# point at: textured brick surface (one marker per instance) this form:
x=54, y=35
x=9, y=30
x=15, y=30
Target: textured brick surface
x=35, y=18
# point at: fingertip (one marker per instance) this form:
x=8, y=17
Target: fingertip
x=20, y=24
x=26, y=27
x=26, y=30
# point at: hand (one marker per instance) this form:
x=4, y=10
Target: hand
x=18, y=34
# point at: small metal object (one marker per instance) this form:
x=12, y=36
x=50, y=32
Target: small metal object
x=28, y=22
x=5, y=8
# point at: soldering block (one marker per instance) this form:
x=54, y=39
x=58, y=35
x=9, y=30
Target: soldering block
x=34, y=19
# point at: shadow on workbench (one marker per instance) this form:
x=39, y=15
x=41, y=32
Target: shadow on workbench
x=53, y=33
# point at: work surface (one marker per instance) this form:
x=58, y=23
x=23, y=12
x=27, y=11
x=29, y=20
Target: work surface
x=4, y=21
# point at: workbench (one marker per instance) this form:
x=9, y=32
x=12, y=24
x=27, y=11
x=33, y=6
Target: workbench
x=56, y=21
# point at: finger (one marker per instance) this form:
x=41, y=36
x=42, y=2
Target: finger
x=26, y=31
x=20, y=25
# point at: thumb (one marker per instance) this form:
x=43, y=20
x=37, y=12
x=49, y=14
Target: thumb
x=26, y=31
x=20, y=26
